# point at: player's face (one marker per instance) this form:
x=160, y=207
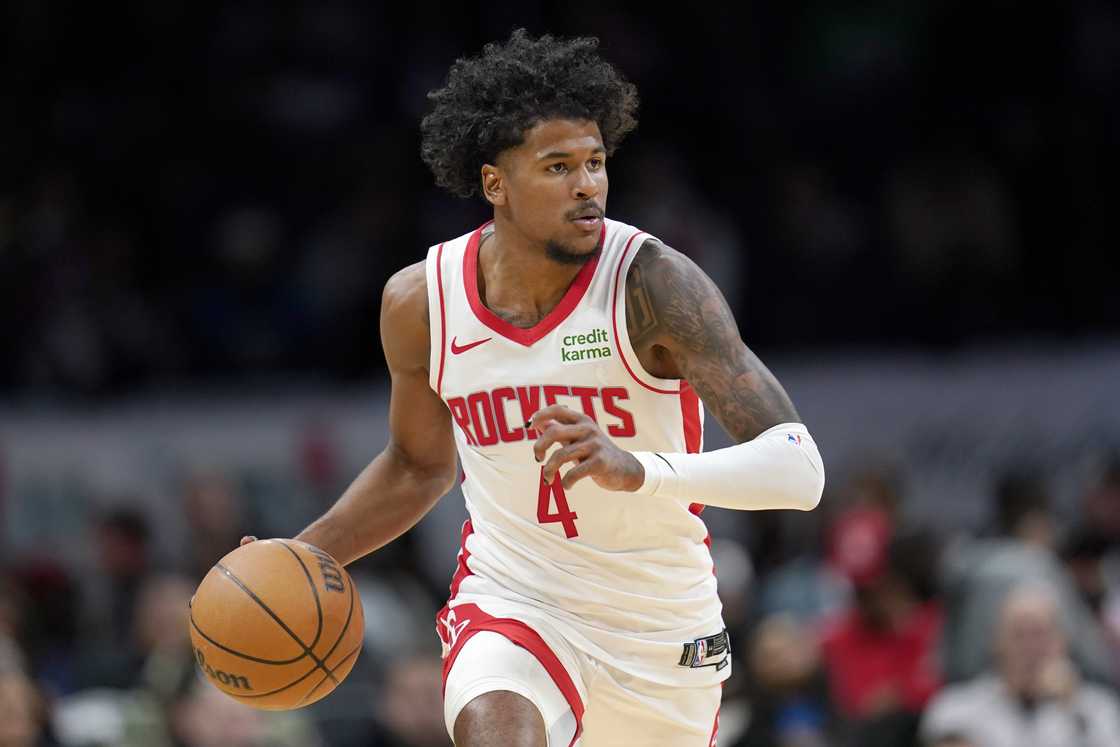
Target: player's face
x=556, y=187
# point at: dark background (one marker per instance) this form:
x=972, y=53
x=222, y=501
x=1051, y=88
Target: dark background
x=910, y=206
x=211, y=190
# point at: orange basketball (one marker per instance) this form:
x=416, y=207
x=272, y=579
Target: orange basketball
x=276, y=624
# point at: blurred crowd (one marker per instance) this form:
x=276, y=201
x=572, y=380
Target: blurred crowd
x=219, y=190
x=878, y=632
x=192, y=194
x=851, y=626
x=99, y=655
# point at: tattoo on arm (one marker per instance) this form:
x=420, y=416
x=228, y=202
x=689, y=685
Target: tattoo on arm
x=671, y=304
x=640, y=319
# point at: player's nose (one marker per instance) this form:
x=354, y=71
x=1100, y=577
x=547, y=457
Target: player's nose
x=586, y=185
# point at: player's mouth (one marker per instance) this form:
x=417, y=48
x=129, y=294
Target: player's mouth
x=589, y=220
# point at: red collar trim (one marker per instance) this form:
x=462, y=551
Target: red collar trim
x=528, y=336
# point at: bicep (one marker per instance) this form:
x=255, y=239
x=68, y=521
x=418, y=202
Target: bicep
x=694, y=325
x=419, y=421
x=420, y=424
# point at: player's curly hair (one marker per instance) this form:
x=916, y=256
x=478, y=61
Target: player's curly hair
x=490, y=101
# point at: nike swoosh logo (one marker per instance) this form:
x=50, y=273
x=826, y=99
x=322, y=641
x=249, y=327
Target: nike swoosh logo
x=456, y=349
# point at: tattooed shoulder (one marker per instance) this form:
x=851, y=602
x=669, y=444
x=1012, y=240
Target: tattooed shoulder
x=671, y=300
x=673, y=307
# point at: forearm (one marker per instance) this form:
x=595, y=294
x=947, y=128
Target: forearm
x=780, y=468
x=386, y=500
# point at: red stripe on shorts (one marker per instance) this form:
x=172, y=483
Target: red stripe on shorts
x=461, y=569
x=468, y=619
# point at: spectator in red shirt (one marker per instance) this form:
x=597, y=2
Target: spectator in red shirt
x=880, y=656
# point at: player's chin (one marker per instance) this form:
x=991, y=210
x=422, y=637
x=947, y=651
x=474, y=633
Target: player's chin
x=587, y=235
x=572, y=251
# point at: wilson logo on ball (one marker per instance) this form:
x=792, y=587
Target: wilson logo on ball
x=239, y=681
x=284, y=621
x=332, y=576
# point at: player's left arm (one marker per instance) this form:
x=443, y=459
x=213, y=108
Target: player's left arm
x=682, y=324
x=677, y=313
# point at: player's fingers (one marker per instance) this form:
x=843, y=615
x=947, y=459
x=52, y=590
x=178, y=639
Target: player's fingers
x=539, y=428
x=559, y=413
x=247, y=539
x=580, y=471
x=556, y=434
x=560, y=457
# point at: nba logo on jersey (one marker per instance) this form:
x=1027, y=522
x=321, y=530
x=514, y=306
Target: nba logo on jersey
x=712, y=651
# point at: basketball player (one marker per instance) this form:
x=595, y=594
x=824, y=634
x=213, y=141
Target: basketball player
x=564, y=357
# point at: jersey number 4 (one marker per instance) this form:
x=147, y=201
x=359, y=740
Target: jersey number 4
x=566, y=516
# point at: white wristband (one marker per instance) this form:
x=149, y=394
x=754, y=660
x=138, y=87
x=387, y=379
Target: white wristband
x=780, y=468
x=659, y=474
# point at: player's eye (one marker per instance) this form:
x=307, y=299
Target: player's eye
x=558, y=168
x=596, y=163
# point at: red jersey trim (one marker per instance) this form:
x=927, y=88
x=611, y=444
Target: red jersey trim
x=525, y=637
x=690, y=414
x=442, y=321
x=531, y=335
x=614, y=321
x=693, y=430
x=515, y=630
x=461, y=569
x=693, y=435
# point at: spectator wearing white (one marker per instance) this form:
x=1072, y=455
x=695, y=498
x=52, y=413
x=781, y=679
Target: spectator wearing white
x=1034, y=698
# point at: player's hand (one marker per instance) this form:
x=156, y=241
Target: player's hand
x=583, y=443
x=247, y=539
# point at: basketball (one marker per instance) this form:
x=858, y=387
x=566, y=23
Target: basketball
x=276, y=624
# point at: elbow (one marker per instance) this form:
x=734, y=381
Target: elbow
x=797, y=473
x=808, y=496
x=814, y=493
x=434, y=479
x=439, y=481
x=814, y=478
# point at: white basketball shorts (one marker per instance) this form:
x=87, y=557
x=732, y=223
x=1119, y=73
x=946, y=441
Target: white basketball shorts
x=583, y=702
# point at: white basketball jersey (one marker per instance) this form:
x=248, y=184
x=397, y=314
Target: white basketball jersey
x=629, y=577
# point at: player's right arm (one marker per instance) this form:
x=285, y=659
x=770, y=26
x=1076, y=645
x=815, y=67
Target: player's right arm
x=418, y=464
x=677, y=315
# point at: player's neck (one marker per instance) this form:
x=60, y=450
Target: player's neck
x=517, y=280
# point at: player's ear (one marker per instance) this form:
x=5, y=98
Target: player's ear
x=493, y=184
